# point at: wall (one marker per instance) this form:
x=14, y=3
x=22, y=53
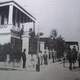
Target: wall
x=5, y=39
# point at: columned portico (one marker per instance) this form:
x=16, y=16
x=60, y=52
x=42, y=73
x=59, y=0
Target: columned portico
x=12, y=20
x=13, y=17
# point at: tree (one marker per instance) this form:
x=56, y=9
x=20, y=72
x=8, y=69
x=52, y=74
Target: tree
x=60, y=46
x=4, y=50
x=56, y=42
x=53, y=34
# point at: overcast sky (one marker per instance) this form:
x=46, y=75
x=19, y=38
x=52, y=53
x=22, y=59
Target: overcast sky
x=63, y=15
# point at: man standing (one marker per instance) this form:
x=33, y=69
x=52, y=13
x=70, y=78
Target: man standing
x=38, y=63
x=45, y=58
x=74, y=52
x=64, y=61
x=24, y=58
x=79, y=60
x=70, y=57
x=53, y=56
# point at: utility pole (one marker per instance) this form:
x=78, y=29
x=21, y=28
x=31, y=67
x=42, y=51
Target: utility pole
x=38, y=35
x=38, y=58
x=38, y=43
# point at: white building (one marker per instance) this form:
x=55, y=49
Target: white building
x=13, y=19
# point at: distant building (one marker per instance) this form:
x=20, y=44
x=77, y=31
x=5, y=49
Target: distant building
x=44, y=44
x=72, y=43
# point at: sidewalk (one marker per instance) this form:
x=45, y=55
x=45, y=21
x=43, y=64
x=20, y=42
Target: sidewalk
x=29, y=66
x=52, y=71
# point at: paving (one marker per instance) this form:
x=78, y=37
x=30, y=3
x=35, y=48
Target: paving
x=52, y=71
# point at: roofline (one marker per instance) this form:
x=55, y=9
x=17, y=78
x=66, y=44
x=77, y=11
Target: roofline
x=20, y=7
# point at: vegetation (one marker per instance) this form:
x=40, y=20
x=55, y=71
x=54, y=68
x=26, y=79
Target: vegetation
x=56, y=42
x=5, y=50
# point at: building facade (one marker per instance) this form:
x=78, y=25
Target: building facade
x=13, y=20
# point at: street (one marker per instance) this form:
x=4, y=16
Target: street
x=53, y=71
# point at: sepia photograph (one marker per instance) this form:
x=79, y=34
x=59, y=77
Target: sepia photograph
x=39, y=40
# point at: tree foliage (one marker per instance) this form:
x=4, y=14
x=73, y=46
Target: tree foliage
x=57, y=43
x=53, y=34
x=6, y=49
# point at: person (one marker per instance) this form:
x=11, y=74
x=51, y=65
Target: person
x=53, y=56
x=79, y=60
x=45, y=58
x=32, y=61
x=24, y=58
x=74, y=53
x=64, y=61
x=64, y=58
x=70, y=57
x=41, y=56
x=38, y=63
x=49, y=55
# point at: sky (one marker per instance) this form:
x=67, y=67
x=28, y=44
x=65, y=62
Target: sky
x=62, y=15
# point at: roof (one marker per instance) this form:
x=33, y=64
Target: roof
x=72, y=42
x=7, y=2
x=45, y=39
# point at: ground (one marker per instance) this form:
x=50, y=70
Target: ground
x=53, y=71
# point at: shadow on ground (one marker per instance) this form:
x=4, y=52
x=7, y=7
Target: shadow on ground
x=7, y=69
x=76, y=69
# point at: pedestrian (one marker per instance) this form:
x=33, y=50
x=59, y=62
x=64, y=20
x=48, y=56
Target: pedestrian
x=45, y=58
x=74, y=53
x=24, y=58
x=41, y=58
x=38, y=63
x=49, y=55
x=53, y=56
x=79, y=60
x=64, y=58
x=64, y=61
x=70, y=57
x=32, y=60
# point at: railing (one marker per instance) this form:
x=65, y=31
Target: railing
x=3, y=26
x=16, y=32
x=13, y=30
x=16, y=29
x=5, y=29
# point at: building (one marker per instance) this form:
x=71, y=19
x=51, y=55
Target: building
x=13, y=20
x=73, y=43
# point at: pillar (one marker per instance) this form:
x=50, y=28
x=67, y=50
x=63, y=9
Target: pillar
x=34, y=26
x=10, y=17
x=0, y=19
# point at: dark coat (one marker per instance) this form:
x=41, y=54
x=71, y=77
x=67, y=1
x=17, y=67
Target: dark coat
x=74, y=52
x=23, y=56
x=70, y=56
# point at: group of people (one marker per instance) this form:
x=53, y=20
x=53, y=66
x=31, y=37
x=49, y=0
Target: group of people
x=72, y=57
x=43, y=59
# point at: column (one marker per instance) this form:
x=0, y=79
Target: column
x=34, y=26
x=10, y=17
x=0, y=19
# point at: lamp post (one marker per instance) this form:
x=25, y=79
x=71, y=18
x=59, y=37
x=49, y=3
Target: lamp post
x=38, y=57
x=38, y=41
